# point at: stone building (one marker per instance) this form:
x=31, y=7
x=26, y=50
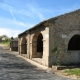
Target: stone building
x=14, y=44
x=62, y=32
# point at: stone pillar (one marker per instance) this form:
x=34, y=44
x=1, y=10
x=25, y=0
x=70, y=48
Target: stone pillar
x=45, y=58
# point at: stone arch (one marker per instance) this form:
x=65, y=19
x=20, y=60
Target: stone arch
x=74, y=43
x=37, y=45
x=70, y=36
x=24, y=46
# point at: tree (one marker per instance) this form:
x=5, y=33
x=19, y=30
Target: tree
x=4, y=38
x=0, y=38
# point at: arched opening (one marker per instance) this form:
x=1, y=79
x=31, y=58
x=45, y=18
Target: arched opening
x=40, y=45
x=74, y=43
x=24, y=46
x=37, y=46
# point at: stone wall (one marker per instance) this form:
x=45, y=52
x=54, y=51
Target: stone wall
x=21, y=50
x=14, y=45
x=61, y=30
x=31, y=37
x=56, y=32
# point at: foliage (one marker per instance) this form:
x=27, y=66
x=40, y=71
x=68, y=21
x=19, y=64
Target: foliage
x=5, y=43
x=57, y=52
x=73, y=72
x=0, y=38
x=8, y=40
x=3, y=36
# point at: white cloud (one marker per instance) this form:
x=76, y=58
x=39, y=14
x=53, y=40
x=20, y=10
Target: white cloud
x=12, y=28
x=12, y=14
x=9, y=32
x=25, y=12
x=13, y=10
x=38, y=12
x=34, y=11
x=31, y=11
x=5, y=6
x=9, y=22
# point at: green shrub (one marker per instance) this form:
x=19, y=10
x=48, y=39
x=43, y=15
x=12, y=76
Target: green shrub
x=57, y=52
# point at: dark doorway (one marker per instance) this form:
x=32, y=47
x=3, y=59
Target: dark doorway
x=37, y=46
x=24, y=46
x=40, y=46
x=74, y=43
x=40, y=43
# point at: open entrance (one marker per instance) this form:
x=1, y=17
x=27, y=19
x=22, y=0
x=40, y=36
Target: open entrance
x=24, y=46
x=74, y=43
x=40, y=46
x=37, y=47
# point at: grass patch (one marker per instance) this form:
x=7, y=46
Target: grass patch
x=73, y=72
x=7, y=43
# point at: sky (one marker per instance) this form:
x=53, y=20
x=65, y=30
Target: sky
x=16, y=16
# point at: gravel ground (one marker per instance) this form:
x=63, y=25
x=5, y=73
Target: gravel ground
x=16, y=68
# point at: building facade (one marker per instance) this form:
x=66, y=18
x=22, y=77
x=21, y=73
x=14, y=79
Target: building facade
x=62, y=32
x=14, y=44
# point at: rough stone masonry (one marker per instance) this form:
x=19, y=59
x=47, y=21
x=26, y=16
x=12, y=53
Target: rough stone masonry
x=62, y=31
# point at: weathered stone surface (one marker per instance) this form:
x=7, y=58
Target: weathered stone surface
x=61, y=32
x=57, y=31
